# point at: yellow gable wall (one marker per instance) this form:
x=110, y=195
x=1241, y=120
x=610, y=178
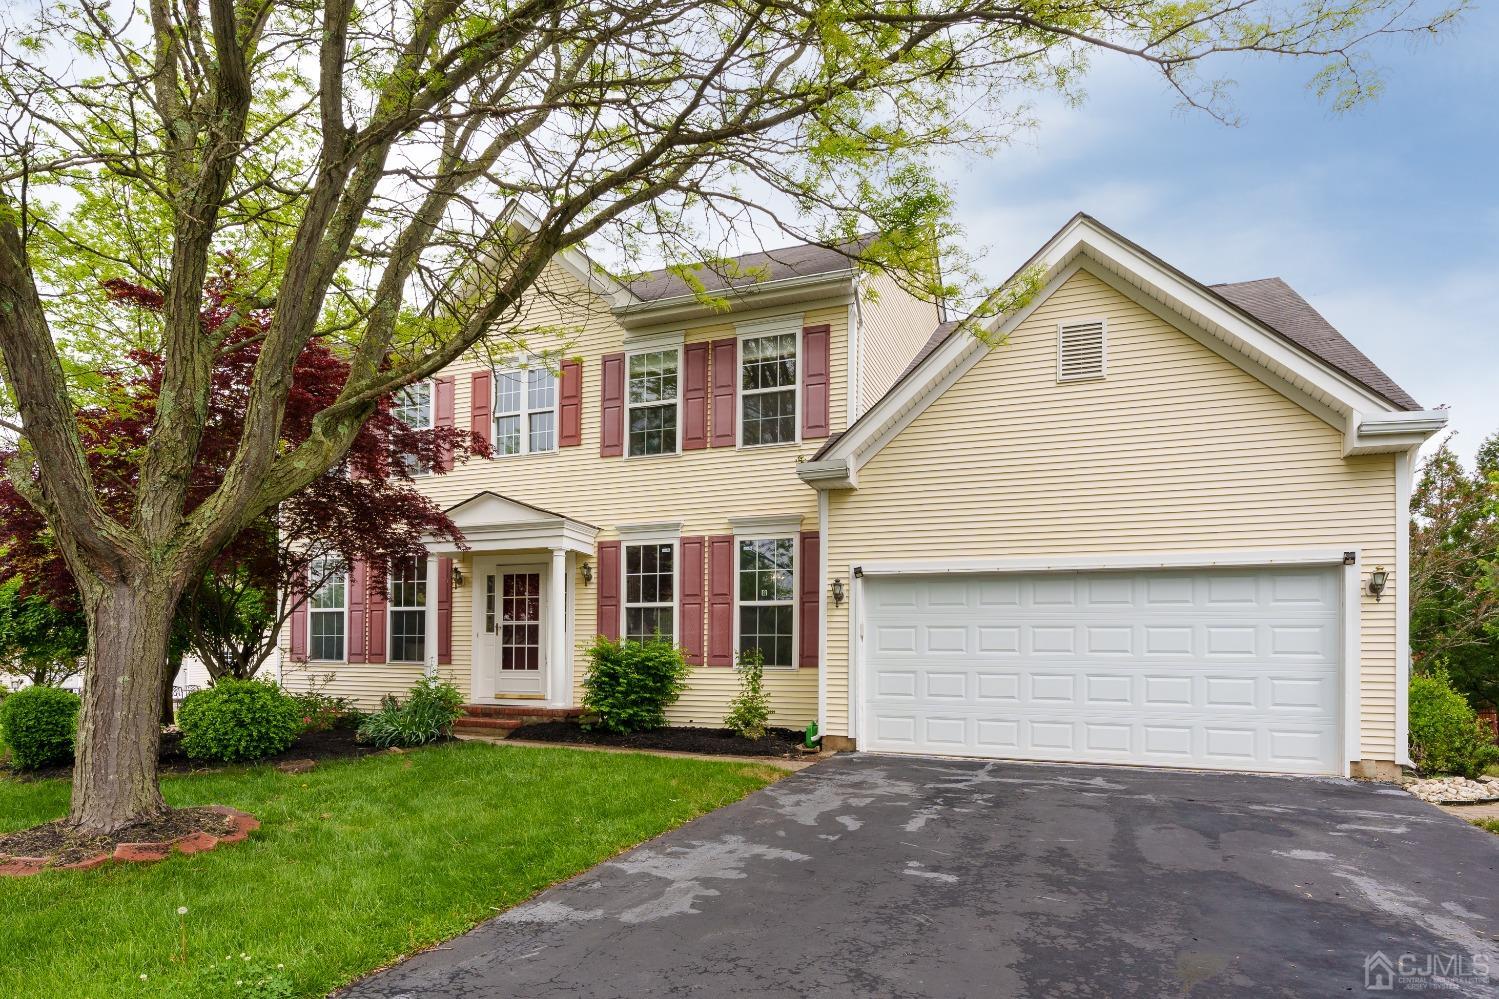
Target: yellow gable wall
x=702, y=489
x=1177, y=450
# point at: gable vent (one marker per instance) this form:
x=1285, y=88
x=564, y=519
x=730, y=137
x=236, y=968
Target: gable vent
x=1080, y=351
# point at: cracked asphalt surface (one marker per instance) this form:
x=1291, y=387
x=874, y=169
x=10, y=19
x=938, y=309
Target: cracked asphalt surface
x=893, y=876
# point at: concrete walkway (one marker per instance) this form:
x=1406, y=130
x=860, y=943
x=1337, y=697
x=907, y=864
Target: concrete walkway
x=885, y=876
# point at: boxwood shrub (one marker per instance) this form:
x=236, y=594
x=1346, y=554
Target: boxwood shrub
x=39, y=725
x=236, y=720
x=630, y=685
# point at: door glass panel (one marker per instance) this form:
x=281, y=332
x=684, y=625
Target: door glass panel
x=520, y=621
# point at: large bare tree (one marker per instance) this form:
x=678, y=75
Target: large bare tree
x=368, y=164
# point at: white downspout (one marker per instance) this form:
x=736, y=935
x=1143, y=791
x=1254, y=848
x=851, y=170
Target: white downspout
x=1404, y=480
x=822, y=613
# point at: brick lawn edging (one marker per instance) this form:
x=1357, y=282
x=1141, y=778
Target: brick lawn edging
x=142, y=853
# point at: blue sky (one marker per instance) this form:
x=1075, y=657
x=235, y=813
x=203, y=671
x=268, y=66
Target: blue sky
x=1385, y=218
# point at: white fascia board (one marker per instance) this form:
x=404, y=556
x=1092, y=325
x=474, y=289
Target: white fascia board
x=836, y=286
x=1391, y=432
x=575, y=262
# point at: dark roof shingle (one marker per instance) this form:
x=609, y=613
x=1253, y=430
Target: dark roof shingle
x=746, y=271
x=1278, y=306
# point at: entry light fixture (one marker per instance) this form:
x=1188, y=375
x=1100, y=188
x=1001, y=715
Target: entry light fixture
x=457, y=576
x=587, y=570
x=1377, y=580
x=837, y=589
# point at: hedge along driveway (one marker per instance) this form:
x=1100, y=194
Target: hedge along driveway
x=358, y=862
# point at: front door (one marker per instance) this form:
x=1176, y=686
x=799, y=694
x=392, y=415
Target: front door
x=513, y=632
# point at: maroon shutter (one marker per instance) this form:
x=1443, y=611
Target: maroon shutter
x=721, y=600
x=299, y=628
x=809, y=564
x=444, y=610
x=695, y=398
x=481, y=405
x=355, y=637
x=816, y=381
x=608, y=616
x=725, y=391
x=690, y=587
x=612, y=406
x=571, y=405
x=442, y=416
x=375, y=649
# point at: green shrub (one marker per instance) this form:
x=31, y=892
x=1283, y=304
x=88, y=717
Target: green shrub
x=630, y=685
x=39, y=724
x=1444, y=731
x=238, y=720
x=749, y=712
x=428, y=714
x=320, y=712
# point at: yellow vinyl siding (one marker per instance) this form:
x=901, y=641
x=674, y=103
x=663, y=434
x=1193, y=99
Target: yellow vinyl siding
x=895, y=326
x=1176, y=450
x=702, y=489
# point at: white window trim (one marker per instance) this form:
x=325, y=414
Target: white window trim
x=1103, y=366
x=779, y=326
x=525, y=411
x=344, y=611
x=431, y=416
x=640, y=540
x=674, y=344
x=390, y=612
x=796, y=578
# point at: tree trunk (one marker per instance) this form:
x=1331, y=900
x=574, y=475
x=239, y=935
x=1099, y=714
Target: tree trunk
x=168, y=709
x=119, y=730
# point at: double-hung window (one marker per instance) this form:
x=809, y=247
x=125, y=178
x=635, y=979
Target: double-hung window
x=327, y=609
x=652, y=395
x=767, y=598
x=525, y=411
x=408, y=610
x=413, y=407
x=650, y=591
x=767, y=389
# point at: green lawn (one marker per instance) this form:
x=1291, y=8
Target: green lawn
x=356, y=863
x=1492, y=825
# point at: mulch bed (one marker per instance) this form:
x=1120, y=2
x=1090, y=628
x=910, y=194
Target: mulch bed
x=333, y=744
x=185, y=830
x=778, y=742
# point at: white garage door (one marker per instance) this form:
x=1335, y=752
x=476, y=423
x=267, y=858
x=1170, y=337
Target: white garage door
x=1225, y=669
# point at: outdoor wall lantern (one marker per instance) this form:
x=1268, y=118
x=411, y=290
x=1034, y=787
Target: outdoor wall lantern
x=457, y=576
x=587, y=571
x=837, y=589
x=1377, y=580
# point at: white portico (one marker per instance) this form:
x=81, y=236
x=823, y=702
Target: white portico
x=523, y=561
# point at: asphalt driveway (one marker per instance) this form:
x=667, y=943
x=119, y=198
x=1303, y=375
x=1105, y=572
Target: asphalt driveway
x=888, y=876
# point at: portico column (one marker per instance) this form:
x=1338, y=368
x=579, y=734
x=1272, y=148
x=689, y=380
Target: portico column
x=429, y=643
x=560, y=688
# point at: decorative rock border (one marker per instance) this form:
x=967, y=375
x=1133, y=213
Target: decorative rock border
x=143, y=853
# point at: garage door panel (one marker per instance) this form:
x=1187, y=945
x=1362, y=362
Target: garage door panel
x=1235, y=669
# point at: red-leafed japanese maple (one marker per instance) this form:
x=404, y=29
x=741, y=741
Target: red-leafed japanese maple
x=365, y=508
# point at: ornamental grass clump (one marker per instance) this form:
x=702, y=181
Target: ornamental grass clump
x=428, y=713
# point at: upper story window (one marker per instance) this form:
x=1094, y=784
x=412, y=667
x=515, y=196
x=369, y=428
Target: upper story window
x=407, y=608
x=525, y=411
x=653, y=396
x=327, y=609
x=413, y=407
x=650, y=591
x=767, y=389
x=767, y=598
